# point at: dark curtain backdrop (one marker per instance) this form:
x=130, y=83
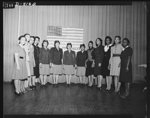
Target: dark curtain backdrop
x=97, y=21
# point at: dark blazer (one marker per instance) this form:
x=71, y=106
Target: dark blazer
x=56, y=56
x=81, y=58
x=44, y=56
x=69, y=58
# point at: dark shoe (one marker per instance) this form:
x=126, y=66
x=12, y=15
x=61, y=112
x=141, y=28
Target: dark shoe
x=28, y=89
x=34, y=87
x=24, y=91
x=123, y=96
x=55, y=85
x=18, y=94
x=100, y=88
x=107, y=91
x=126, y=93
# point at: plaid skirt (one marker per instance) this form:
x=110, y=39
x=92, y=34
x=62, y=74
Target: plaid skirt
x=69, y=70
x=56, y=69
x=81, y=71
x=44, y=69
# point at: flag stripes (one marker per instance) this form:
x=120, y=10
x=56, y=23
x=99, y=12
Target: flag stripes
x=68, y=35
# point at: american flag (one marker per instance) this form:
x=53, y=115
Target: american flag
x=65, y=35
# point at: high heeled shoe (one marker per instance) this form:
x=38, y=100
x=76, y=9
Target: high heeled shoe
x=117, y=92
x=24, y=91
x=108, y=90
x=100, y=88
x=123, y=96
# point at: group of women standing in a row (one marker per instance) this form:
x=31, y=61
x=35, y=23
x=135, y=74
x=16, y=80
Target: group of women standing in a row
x=32, y=62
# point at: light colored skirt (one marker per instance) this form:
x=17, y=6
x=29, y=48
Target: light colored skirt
x=31, y=68
x=81, y=71
x=56, y=69
x=28, y=68
x=44, y=69
x=114, y=69
x=69, y=70
x=22, y=73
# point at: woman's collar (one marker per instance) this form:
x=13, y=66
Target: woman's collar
x=21, y=45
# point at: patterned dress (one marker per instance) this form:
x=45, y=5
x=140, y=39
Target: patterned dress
x=27, y=50
x=115, y=60
x=31, y=59
x=22, y=72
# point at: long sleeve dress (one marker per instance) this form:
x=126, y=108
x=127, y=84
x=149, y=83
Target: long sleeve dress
x=89, y=62
x=22, y=72
x=27, y=50
x=98, y=56
x=31, y=59
x=107, y=52
x=126, y=76
x=36, y=57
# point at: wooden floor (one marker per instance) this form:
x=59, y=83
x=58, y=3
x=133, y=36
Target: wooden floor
x=75, y=99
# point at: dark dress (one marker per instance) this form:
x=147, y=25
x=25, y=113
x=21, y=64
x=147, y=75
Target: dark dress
x=36, y=57
x=105, y=70
x=98, y=56
x=126, y=76
x=89, y=69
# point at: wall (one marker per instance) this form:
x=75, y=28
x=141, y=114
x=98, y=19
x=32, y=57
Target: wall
x=97, y=21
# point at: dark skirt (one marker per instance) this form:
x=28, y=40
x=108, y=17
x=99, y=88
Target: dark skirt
x=105, y=70
x=125, y=76
x=36, y=71
x=97, y=70
x=89, y=69
x=36, y=68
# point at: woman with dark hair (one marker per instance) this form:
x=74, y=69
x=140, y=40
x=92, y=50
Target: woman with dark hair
x=20, y=70
x=114, y=62
x=98, y=56
x=81, y=62
x=44, y=61
x=69, y=61
x=36, y=56
x=56, y=61
x=105, y=70
x=90, y=64
x=126, y=66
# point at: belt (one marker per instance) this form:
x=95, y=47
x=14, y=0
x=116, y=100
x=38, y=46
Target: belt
x=21, y=57
x=116, y=55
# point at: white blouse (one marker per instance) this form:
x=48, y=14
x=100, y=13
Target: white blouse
x=106, y=48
